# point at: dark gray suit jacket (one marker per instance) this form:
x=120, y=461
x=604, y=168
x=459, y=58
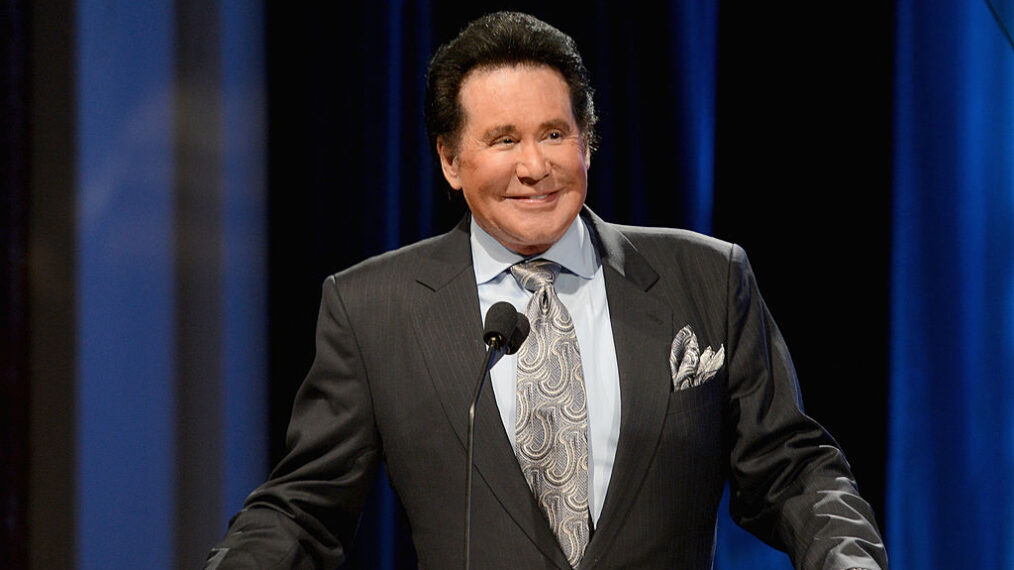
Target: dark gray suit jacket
x=398, y=349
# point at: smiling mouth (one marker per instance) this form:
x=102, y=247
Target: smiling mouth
x=536, y=198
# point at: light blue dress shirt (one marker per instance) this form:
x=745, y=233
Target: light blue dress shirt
x=582, y=289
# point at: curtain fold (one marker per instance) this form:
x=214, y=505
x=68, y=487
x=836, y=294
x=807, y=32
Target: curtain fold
x=951, y=449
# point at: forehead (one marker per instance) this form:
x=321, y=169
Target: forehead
x=512, y=95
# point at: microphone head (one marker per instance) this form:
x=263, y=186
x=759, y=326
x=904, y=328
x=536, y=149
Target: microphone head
x=519, y=335
x=501, y=321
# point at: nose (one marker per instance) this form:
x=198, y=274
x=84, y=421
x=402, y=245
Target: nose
x=533, y=165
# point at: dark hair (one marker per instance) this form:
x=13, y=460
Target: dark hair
x=497, y=40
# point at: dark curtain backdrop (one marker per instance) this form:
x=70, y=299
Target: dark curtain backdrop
x=801, y=147
x=13, y=283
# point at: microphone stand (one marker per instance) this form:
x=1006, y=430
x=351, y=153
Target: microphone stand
x=495, y=345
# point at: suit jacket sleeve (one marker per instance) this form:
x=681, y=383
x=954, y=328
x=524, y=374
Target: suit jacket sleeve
x=790, y=484
x=305, y=515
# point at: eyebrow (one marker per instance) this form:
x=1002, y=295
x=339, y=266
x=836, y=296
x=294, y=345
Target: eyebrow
x=499, y=131
x=556, y=124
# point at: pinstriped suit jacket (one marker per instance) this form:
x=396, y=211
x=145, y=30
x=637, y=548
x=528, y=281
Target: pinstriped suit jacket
x=398, y=346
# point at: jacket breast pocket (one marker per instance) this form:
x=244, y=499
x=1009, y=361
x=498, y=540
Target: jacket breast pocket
x=711, y=393
x=691, y=448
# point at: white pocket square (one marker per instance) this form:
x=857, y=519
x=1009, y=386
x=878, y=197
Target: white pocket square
x=689, y=366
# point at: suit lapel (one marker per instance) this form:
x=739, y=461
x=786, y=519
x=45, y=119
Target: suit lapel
x=449, y=328
x=642, y=327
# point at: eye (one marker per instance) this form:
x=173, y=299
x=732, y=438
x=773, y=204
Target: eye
x=504, y=140
x=554, y=135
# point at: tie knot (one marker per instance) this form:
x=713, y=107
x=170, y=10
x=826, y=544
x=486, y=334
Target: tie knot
x=536, y=274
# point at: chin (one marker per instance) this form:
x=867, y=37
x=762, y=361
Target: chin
x=535, y=244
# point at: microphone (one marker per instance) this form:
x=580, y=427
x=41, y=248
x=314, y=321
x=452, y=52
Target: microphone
x=501, y=322
x=504, y=331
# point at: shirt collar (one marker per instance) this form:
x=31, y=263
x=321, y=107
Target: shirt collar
x=574, y=251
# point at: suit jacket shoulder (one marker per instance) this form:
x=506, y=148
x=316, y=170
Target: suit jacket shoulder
x=431, y=261
x=687, y=255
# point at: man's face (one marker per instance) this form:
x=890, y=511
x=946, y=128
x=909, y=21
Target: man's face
x=521, y=162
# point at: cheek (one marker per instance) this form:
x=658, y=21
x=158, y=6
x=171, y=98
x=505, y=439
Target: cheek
x=496, y=180
x=570, y=160
x=487, y=173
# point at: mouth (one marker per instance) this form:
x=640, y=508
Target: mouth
x=534, y=199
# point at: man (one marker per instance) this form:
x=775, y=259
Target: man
x=653, y=372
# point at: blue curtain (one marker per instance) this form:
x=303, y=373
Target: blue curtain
x=125, y=477
x=129, y=497
x=951, y=452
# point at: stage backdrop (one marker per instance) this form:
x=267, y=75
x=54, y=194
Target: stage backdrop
x=951, y=469
x=199, y=167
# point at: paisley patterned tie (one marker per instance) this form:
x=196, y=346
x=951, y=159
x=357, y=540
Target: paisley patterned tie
x=552, y=414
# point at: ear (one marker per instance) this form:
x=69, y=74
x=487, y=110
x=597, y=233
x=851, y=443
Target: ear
x=448, y=163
